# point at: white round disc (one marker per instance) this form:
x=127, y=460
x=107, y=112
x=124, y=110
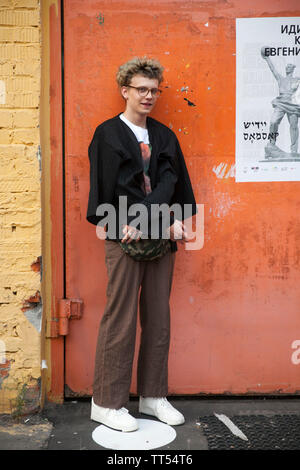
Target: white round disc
x=150, y=435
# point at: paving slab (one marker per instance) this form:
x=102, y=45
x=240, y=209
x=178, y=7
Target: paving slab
x=31, y=432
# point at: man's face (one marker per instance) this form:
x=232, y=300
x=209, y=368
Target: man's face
x=135, y=103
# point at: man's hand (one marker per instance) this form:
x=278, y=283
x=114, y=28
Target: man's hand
x=131, y=233
x=178, y=233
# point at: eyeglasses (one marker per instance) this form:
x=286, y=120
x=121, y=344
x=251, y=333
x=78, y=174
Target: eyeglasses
x=143, y=91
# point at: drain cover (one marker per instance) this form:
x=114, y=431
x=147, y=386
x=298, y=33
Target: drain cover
x=280, y=432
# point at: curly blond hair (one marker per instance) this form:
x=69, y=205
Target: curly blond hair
x=150, y=68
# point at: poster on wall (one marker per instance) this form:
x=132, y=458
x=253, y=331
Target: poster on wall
x=267, y=99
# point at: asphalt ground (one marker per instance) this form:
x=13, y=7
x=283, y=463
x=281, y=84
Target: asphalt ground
x=215, y=424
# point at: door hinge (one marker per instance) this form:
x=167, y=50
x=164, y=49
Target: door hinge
x=68, y=309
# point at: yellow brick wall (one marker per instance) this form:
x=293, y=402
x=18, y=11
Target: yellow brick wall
x=20, y=206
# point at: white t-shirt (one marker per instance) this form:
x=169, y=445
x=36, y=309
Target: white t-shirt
x=140, y=133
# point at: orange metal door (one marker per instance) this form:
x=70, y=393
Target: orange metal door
x=235, y=321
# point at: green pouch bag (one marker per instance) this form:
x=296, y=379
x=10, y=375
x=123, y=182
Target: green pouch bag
x=146, y=249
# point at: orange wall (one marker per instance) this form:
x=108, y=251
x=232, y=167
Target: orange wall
x=235, y=303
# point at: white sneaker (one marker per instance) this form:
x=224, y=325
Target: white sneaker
x=162, y=409
x=117, y=419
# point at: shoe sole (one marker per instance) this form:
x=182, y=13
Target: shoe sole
x=107, y=423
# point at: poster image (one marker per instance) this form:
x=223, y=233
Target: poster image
x=267, y=99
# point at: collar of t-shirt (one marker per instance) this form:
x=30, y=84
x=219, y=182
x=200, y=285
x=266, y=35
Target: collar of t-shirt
x=140, y=133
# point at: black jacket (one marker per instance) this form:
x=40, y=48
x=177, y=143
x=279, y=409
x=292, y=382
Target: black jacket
x=116, y=168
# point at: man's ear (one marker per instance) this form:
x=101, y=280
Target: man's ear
x=124, y=92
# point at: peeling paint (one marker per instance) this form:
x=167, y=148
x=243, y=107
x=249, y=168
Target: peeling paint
x=223, y=171
x=34, y=315
x=4, y=371
x=32, y=301
x=36, y=265
x=189, y=102
x=32, y=309
x=223, y=205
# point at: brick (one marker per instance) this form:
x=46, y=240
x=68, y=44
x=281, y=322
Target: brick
x=26, y=136
x=20, y=17
x=19, y=218
x=26, y=168
x=12, y=151
x=20, y=51
x=3, y=92
x=8, y=295
x=25, y=246
x=32, y=153
x=19, y=184
x=5, y=162
x=26, y=34
x=6, y=118
x=6, y=68
x=25, y=118
x=22, y=261
x=20, y=234
x=7, y=168
x=6, y=33
x=24, y=100
x=5, y=136
x=18, y=279
x=28, y=200
x=26, y=3
x=14, y=168
x=6, y=3
x=9, y=101
x=24, y=67
x=6, y=201
x=11, y=201
x=22, y=84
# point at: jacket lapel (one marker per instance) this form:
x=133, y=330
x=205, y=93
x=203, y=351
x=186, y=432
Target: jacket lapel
x=130, y=144
x=132, y=149
x=154, y=153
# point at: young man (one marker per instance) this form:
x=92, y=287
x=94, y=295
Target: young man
x=137, y=157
